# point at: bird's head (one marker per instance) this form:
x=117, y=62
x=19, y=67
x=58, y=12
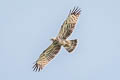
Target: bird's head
x=53, y=39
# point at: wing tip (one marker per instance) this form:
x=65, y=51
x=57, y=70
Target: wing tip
x=37, y=67
x=76, y=11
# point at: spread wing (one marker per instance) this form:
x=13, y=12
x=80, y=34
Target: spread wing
x=69, y=23
x=46, y=56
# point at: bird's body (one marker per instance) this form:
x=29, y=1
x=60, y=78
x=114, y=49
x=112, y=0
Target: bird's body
x=60, y=40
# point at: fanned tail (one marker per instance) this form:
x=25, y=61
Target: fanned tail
x=71, y=44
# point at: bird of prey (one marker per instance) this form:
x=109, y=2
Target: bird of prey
x=60, y=40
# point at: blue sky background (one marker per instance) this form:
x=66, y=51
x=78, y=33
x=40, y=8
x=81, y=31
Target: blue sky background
x=27, y=25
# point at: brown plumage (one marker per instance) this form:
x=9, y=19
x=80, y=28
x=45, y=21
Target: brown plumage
x=69, y=23
x=47, y=56
x=60, y=40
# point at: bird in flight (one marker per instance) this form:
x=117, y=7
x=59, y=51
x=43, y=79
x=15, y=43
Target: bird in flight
x=60, y=40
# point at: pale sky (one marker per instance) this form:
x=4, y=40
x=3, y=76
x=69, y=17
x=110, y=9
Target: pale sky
x=26, y=27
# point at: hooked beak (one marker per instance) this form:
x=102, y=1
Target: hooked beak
x=52, y=39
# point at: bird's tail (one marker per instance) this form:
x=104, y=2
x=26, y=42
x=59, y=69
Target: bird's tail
x=71, y=44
